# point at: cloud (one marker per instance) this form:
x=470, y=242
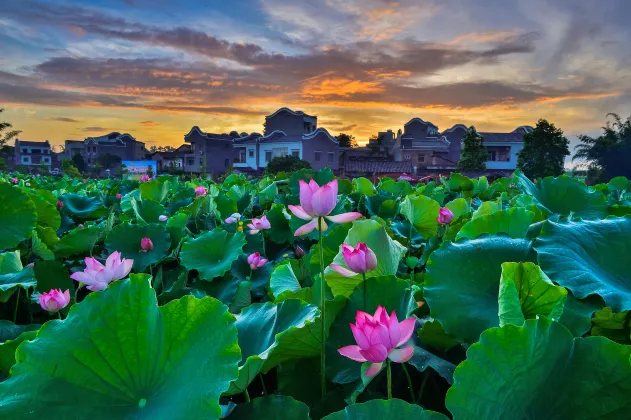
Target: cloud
x=94, y=129
x=149, y=123
x=65, y=119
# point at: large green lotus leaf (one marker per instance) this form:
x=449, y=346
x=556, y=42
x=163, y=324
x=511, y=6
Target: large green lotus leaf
x=388, y=251
x=539, y=371
x=433, y=335
x=280, y=231
x=364, y=186
x=330, y=248
x=613, y=325
x=226, y=206
x=526, y=292
x=283, y=279
x=267, y=195
x=120, y=356
x=40, y=249
x=154, y=190
x=565, y=195
x=260, y=277
x=11, y=331
x=212, y=253
x=9, y=282
x=78, y=241
x=459, y=207
x=263, y=327
x=528, y=202
x=18, y=216
x=83, y=207
x=381, y=205
x=577, y=313
x=388, y=291
x=272, y=407
x=513, y=222
x=47, y=214
x=458, y=182
x=48, y=236
x=147, y=211
x=125, y=238
x=240, y=194
x=52, y=275
x=10, y=262
x=486, y=208
x=589, y=257
x=385, y=410
x=422, y=212
x=466, y=275
x=7, y=352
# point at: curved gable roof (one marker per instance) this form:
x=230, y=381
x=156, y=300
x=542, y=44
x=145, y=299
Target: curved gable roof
x=417, y=119
x=285, y=109
x=320, y=132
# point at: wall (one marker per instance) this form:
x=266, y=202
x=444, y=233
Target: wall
x=322, y=143
x=512, y=163
x=263, y=147
x=290, y=124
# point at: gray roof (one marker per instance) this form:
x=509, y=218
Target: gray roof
x=378, y=166
x=502, y=137
x=34, y=143
x=285, y=109
x=409, y=143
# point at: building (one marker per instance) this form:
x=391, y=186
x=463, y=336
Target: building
x=72, y=147
x=125, y=146
x=174, y=160
x=214, y=151
x=503, y=148
x=32, y=153
x=287, y=133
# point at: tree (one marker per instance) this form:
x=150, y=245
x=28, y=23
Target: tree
x=608, y=155
x=346, y=140
x=108, y=160
x=544, y=152
x=7, y=136
x=122, y=171
x=149, y=171
x=42, y=169
x=474, y=155
x=285, y=164
x=3, y=164
x=69, y=169
x=78, y=162
x=154, y=149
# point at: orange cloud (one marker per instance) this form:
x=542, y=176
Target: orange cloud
x=329, y=84
x=571, y=96
x=149, y=123
x=482, y=37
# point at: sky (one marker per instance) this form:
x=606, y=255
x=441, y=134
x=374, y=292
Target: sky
x=155, y=68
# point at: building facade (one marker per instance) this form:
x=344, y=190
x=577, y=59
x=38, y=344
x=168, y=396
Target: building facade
x=209, y=153
x=125, y=146
x=33, y=153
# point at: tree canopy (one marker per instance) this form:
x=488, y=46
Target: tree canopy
x=474, y=154
x=346, y=140
x=286, y=164
x=544, y=152
x=5, y=137
x=108, y=160
x=608, y=155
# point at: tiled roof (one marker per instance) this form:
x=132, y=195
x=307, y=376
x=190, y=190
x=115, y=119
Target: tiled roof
x=409, y=143
x=502, y=137
x=34, y=143
x=378, y=167
x=285, y=109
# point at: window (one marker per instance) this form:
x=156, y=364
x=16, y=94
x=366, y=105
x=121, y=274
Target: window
x=251, y=153
x=45, y=160
x=280, y=151
x=94, y=149
x=493, y=156
x=331, y=156
x=317, y=155
x=25, y=159
x=407, y=157
x=242, y=156
x=421, y=158
x=268, y=155
x=295, y=152
x=24, y=150
x=189, y=162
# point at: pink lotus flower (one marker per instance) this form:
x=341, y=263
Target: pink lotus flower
x=80, y=226
x=54, y=300
x=97, y=276
x=118, y=196
x=60, y=204
x=256, y=261
x=234, y=218
x=380, y=337
x=145, y=178
x=200, y=190
x=445, y=216
x=359, y=260
x=146, y=245
x=299, y=252
x=316, y=202
x=14, y=180
x=84, y=181
x=163, y=218
x=259, y=224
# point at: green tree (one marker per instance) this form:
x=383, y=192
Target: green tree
x=68, y=168
x=78, y=162
x=3, y=164
x=108, y=160
x=21, y=169
x=474, y=154
x=43, y=169
x=285, y=164
x=544, y=152
x=149, y=171
x=203, y=166
x=346, y=140
x=122, y=171
x=5, y=137
x=608, y=155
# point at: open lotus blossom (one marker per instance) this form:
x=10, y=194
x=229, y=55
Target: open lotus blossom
x=60, y=204
x=316, y=202
x=145, y=178
x=201, y=190
x=380, y=337
x=14, y=180
x=146, y=245
x=118, y=196
x=359, y=260
x=256, y=261
x=97, y=276
x=54, y=300
x=445, y=216
x=163, y=218
x=234, y=218
x=259, y=224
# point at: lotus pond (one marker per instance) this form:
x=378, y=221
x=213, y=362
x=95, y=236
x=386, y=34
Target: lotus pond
x=306, y=297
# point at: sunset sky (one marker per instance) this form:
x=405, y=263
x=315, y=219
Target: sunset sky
x=155, y=68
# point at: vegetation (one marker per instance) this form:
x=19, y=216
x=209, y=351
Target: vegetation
x=108, y=161
x=608, y=155
x=79, y=162
x=68, y=168
x=285, y=164
x=346, y=140
x=544, y=152
x=474, y=155
x=7, y=136
x=179, y=299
